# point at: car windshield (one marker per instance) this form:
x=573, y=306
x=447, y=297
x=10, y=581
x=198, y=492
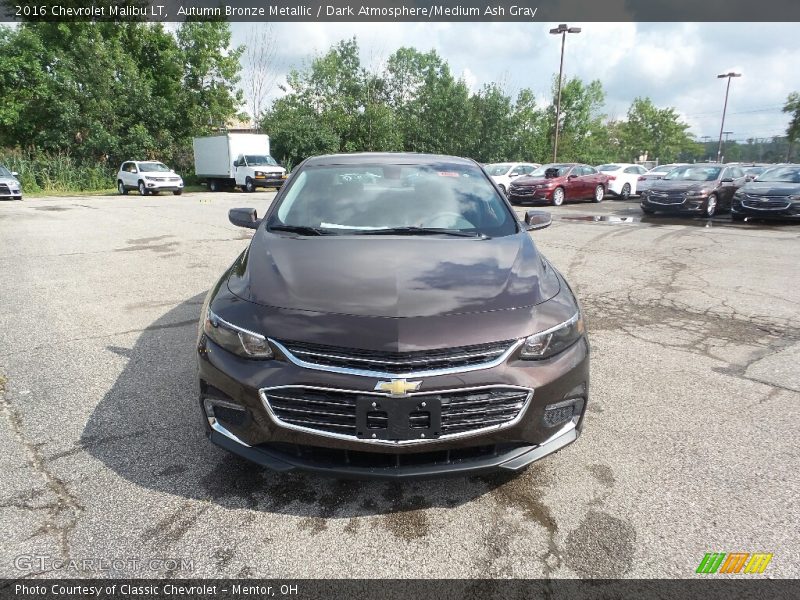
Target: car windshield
x=496, y=170
x=693, y=173
x=781, y=174
x=446, y=198
x=4, y=172
x=754, y=170
x=609, y=167
x=550, y=171
x=660, y=170
x=149, y=167
x=259, y=160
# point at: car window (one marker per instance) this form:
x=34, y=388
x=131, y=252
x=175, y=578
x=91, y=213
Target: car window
x=153, y=167
x=518, y=171
x=447, y=196
x=693, y=173
x=4, y=172
x=552, y=170
x=607, y=168
x=588, y=170
x=787, y=174
x=497, y=169
x=633, y=170
x=737, y=173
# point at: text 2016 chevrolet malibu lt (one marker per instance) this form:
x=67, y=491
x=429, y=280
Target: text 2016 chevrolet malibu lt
x=392, y=317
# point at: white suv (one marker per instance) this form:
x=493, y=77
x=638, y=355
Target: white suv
x=149, y=177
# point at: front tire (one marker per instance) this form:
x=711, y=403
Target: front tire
x=177, y=192
x=142, y=189
x=625, y=193
x=599, y=194
x=558, y=196
x=502, y=188
x=711, y=207
x=122, y=189
x=249, y=186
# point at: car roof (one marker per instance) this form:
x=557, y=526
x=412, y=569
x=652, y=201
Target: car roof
x=386, y=158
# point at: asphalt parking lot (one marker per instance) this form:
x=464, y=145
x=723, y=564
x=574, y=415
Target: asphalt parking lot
x=690, y=443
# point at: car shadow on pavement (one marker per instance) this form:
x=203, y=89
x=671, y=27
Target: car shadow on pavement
x=148, y=429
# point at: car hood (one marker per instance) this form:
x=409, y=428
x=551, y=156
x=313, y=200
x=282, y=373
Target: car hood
x=383, y=276
x=662, y=185
x=774, y=188
x=537, y=180
x=9, y=180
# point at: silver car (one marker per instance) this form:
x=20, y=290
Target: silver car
x=9, y=185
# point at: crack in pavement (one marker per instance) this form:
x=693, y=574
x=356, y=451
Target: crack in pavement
x=63, y=514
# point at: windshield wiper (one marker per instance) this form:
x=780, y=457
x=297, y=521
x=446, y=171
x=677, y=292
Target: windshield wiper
x=301, y=229
x=423, y=231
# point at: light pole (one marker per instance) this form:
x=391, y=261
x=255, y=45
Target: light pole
x=729, y=76
x=726, y=134
x=561, y=30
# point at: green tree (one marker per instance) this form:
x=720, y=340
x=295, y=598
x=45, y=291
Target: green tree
x=583, y=136
x=792, y=107
x=657, y=132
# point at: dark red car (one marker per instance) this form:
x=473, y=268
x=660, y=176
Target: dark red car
x=557, y=182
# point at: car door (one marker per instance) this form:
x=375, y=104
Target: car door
x=739, y=179
x=131, y=175
x=573, y=183
x=591, y=179
x=631, y=175
x=726, y=187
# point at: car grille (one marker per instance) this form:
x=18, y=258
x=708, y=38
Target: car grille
x=657, y=198
x=345, y=459
x=522, y=190
x=766, y=202
x=419, y=361
x=333, y=412
x=4, y=189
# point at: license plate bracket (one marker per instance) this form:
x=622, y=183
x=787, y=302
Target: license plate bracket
x=398, y=419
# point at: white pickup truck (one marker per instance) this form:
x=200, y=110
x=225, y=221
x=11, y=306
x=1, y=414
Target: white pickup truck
x=237, y=159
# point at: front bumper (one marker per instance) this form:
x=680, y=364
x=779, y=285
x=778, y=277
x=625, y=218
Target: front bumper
x=256, y=435
x=269, y=181
x=692, y=205
x=766, y=209
x=10, y=191
x=163, y=186
x=523, y=194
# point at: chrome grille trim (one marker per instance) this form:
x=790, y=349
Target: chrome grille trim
x=366, y=372
x=765, y=203
x=491, y=423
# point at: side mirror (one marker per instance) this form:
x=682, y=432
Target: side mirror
x=244, y=217
x=537, y=219
x=14, y=174
x=572, y=176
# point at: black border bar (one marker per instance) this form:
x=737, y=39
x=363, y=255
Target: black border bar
x=708, y=587
x=532, y=11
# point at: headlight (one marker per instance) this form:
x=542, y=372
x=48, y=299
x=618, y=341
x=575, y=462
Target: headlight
x=794, y=198
x=554, y=340
x=235, y=339
x=260, y=174
x=696, y=194
x=150, y=177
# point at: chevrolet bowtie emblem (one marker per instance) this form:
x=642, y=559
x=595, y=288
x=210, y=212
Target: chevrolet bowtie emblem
x=398, y=387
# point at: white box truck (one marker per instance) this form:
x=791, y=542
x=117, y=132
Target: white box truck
x=237, y=159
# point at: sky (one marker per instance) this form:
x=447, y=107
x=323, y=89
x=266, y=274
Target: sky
x=675, y=64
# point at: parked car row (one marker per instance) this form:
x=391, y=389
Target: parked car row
x=9, y=184
x=709, y=188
